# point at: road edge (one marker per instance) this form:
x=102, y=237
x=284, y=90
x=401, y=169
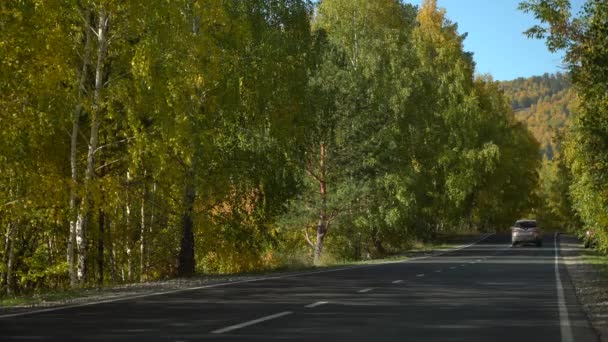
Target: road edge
x=564, y=318
x=574, y=280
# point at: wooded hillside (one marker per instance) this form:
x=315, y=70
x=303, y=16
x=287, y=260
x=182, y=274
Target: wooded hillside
x=544, y=103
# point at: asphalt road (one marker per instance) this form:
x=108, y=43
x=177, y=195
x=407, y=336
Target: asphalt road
x=485, y=292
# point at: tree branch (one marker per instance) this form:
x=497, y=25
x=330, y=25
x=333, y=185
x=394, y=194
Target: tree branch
x=308, y=238
x=108, y=164
x=113, y=143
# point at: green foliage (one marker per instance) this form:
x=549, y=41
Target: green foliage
x=233, y=136
x=585, y=40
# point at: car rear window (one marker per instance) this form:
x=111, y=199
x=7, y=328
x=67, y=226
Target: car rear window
x=525, y=224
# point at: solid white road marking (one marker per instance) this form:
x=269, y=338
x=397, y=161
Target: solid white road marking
x=249, y=323
x=195, y=288
x=397, y=281
x=564, y=321
x=314, y=305
x=365, y=290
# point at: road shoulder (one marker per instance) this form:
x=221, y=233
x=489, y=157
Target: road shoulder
x=590, y=281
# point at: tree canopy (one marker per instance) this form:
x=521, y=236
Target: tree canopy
x=147, y=139
x=584, y=144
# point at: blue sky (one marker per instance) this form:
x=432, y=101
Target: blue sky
x=495, y=37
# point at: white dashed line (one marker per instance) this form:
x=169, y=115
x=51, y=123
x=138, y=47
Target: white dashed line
x=437, y=271
x=249, y=323
x=453, y=267
x=314, y=305
x=420, y=275
x=365, y=290
x=397, y=281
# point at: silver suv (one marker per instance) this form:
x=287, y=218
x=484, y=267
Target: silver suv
x=526, y=231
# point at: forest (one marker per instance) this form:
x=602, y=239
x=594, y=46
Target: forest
x=148, y=139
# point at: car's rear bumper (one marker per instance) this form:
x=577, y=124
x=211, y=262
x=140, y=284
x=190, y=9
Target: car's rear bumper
x=525, y=237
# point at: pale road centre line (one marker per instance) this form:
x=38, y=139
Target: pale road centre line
x=564, y=321
x=314, y=305
x=420, y=275
x=438, y=271
x=397, y=281
x=453, y=267
x=365, y=290
x=252, y=322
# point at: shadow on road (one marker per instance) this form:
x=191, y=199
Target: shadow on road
x=488, y=292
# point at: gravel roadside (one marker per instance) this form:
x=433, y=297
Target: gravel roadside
x=590, y=283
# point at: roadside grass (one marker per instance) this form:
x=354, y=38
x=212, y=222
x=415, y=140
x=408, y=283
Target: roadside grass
x=417, y=247
x=62, y=297
x=598, y=259
x=45, y=297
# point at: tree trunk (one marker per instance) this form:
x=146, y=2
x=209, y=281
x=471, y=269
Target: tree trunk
x=9, y=281
x=186, y=262
x=323, y=224
x=129, y=263
x=127, y=239
x=185, y=265
x=142, y=238
x=111, y=248
x=100, y=248
x=321, y=231
x=7, y=246
x=151, y=224
x=84, y=215
x=380, y=251
x=142, y=231
x=74, y=152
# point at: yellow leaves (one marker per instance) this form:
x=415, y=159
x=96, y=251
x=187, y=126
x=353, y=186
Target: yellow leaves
x=199, y=81
x=416, y=166
x=429, y=16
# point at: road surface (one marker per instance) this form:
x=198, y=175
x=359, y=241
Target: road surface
x=485, y=292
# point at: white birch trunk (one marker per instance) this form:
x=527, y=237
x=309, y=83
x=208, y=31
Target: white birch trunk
x=323, y=224
x=128, y=229
x=74, y=154
x=84, y=215
x=142, y=238
x=10, y=262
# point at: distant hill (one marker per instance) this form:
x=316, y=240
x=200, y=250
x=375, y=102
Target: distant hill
x=544, y=103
